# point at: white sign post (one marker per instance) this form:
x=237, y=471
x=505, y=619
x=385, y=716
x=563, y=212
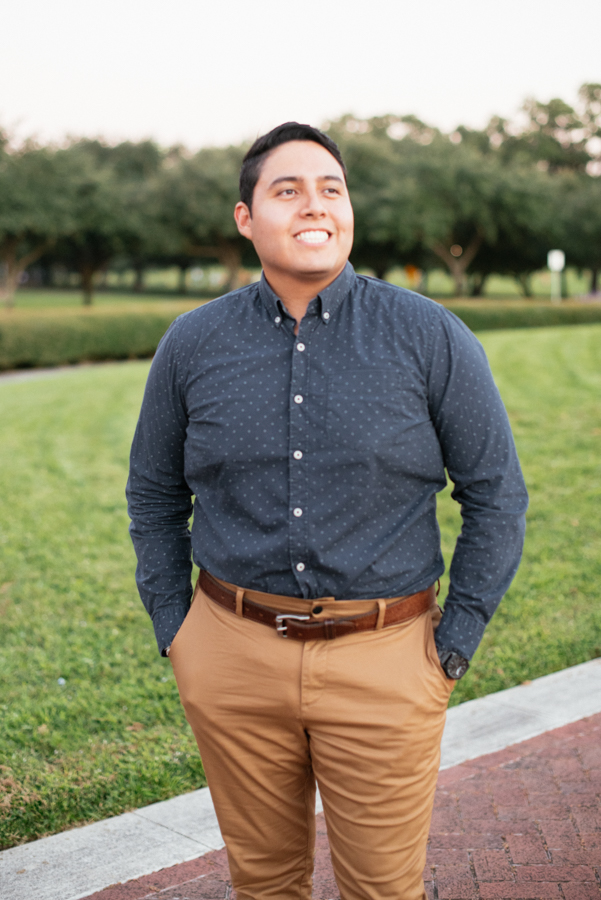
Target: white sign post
x=556, y=260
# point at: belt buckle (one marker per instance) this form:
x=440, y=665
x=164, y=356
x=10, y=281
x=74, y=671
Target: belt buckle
x=281, y=625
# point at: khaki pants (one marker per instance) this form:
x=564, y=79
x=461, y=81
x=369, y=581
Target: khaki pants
x=362, y=714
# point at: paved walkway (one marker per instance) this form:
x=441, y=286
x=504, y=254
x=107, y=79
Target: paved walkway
x=521, y=824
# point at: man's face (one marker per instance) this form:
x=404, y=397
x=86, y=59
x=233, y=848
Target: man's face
x=302, y=220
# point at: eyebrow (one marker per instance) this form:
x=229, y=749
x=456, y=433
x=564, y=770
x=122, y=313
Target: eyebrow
x=297, y=178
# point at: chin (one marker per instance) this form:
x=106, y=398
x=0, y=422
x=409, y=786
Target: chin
x=317, y=266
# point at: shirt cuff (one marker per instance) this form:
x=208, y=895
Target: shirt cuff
x=459, y=630
x=167, y=621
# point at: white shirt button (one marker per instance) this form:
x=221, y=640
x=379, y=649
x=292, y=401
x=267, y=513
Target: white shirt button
x=300, y=347
x=297, y=512
x=326, y=316
x=298, y=398
x=277, y=320
x=300, y=567
x=298, y=454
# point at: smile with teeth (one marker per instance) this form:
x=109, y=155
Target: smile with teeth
x=312, y=237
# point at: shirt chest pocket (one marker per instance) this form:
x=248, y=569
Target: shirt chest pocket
x=364, y=408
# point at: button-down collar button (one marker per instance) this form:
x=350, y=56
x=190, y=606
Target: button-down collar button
x=298, y=398
x=277, y=320
x=298, y=512
x=316, y=610
x=300, y=347
x=326, y=316
x=300, y=567
x=298, y=454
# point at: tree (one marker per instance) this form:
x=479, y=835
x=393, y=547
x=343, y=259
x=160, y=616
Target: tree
x=109, y=191
x=35, y=208
x=580, y=200
x=193, y=204
x=527, y=226
x=554, y=136
x=419, y=196
x=476, y=204
x=375, y=193
x=134, y=166
x=383, y=189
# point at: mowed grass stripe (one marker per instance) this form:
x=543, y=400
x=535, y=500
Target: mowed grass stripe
x=113, y=737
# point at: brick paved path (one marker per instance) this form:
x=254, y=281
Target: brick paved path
x=522, y=824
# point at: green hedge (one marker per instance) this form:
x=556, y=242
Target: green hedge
x=58, y=339
x=491, y=315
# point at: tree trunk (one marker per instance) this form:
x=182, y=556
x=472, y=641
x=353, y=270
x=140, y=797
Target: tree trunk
x=478, y=285
x=182, y=287
x=139, y=279
x=594, y=280
x=9, y=288
x=14, y=266
x=102, y=283
x=87, y=284
x=524, y=279
x=564, y=284
x=230, y=258
x=458, y=265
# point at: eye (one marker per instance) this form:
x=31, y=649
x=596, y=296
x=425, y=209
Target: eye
x=286, y=192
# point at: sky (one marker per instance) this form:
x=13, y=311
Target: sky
x=211, y=73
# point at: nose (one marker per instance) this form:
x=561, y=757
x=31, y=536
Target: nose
x=314, y=207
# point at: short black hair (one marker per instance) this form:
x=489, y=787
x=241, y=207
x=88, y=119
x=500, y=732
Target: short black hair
x=262, y=147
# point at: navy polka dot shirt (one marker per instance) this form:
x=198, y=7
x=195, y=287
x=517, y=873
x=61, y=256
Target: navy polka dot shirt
x=314, y=459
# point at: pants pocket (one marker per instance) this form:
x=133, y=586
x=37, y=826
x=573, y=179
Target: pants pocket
x=431, y=651
x=181, y=632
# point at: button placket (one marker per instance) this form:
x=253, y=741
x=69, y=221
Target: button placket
x=299, y=383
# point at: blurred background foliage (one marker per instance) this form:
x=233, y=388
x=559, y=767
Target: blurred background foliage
x=474, y=203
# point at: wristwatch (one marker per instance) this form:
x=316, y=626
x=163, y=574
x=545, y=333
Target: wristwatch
x=453, y=665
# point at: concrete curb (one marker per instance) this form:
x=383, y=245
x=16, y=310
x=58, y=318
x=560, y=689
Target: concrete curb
x=519, y=713
x=77, y=863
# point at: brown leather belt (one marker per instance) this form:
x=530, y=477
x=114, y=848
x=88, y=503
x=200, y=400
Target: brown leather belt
x=307, y=627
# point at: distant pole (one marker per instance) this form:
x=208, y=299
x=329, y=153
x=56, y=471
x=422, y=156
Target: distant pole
x=556, y=260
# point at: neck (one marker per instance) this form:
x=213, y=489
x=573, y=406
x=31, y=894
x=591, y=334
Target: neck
x=296, y=293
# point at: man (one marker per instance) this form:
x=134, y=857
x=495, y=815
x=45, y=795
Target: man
x=312, y=416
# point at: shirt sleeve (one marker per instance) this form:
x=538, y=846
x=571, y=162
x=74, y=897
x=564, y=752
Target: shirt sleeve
x=159, y=499
x=481, y=460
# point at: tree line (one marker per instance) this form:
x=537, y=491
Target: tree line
x=476, y=201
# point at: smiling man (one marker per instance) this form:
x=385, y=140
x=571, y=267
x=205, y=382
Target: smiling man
x=299, y=218
x=312, y=416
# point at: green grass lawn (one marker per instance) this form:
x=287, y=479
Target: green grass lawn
x=90, y=719
x=43, y=301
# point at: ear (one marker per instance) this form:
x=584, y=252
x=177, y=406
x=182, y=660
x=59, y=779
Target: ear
x=243, y=220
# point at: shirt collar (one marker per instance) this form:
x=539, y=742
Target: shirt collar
x=330, y=298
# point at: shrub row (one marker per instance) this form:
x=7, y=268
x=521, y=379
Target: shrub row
x=55, y=340
x=491, y=315
x=58, y=340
